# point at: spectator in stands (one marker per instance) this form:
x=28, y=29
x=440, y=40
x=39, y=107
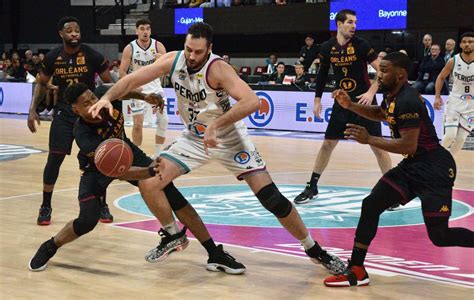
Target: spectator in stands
x=449, y=49
x=226, y=58
x=429, y=70
x=308, y=52
x=195, y=3
x=271, y=63
x=426, y=50
x=34, y=66
x=216, y=3
x=280, y=2
x=17, y=72
x=301, y=79
x=41, y=57
x=278, y=76
x=28, y=59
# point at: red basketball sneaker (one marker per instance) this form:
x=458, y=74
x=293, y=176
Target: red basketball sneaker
x=352, y=276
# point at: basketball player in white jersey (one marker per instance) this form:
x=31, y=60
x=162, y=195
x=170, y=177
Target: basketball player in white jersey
x=214, y=130
x=142, y=52
x=459, y=112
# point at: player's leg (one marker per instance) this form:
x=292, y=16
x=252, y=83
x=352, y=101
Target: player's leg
x=383, y=195
x=430, y=88
x=464, y=129
x=443, y=236
x=138, y=114
x=334, y=132
x=451, y=126
x=91, y=183
x=161, y=126
x=60, y=144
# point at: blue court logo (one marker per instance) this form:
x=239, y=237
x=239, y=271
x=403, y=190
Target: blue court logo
x=430, y=109
x=336, y=207
x=242, y=157
x=264, y=114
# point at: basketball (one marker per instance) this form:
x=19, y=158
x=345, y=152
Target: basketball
x=113, y=157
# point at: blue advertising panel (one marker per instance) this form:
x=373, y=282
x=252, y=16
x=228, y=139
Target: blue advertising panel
x=372, y=14
x=185, y=17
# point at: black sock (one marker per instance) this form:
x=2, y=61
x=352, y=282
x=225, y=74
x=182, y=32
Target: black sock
x=210, y=246
x=47, y=198
x=315, y=251
x=358, y=256
x=313, y=183
x=103, y=199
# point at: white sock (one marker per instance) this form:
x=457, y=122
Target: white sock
x=172, y=228
x=308, y=242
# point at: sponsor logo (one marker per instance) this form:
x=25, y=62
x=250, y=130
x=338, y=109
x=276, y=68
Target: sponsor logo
x=444, y=208
x=242, y=157
x=348, y=84
x=392, y=13
x=81, y=60
x=466, y=97
x=1, y=96
x=197, y=128
x=264, y=114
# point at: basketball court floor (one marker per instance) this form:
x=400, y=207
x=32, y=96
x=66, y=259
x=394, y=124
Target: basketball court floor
x=109, y=262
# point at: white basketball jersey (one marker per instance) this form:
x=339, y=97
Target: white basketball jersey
x=463, y=79
x=198, y=103
x=143, y=57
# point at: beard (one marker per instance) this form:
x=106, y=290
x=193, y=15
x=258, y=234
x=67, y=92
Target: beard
x=71, y=43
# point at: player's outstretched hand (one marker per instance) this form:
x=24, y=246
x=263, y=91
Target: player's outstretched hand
x=342, y=97
x=156, y=101
x=32, y=117
x=210, y=137
x=356, y=133
x=97, y=107
x=366, y=98
x=438, y=103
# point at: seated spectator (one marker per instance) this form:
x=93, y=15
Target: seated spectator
x=308, y=53
x=226, y=58
x=41, y=57
x=271, y=63
x=280, y=2
x=429, y=70
x=195, y=3
x=449, y=49
x=28, y=62
x=278, y=76
x=380, y=56
x=17, y=72
x=35, y=65
x=216, y=3
x=301, y=79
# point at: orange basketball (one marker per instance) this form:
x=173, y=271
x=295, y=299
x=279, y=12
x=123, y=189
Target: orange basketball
x=113, y=157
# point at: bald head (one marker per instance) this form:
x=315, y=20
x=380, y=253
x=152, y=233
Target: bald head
x=427, y=40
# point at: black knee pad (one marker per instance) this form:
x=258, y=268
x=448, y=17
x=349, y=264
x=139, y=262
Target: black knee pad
x=88, y=216
x=274, y=201
x=51, y=170
x=175, y=198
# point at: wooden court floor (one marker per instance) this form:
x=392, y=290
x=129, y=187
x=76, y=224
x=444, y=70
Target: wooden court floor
x=109, y=263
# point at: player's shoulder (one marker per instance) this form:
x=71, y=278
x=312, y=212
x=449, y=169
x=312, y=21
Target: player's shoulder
x=88, y=49
x=328, y=44
x=358, y=41
x=54, y=53
x=409, y=95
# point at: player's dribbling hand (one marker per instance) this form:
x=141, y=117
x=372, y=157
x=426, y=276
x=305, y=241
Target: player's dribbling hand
x=356, y=133
x=156, y=101
x=366, y=98
x=97, y=107
x=342, y=97
x=210, y=139
x=438, y=103
x=32, y=117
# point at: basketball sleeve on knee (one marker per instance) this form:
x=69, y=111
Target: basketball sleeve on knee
x=271, y=198
x=175, y=198
x=51, y=170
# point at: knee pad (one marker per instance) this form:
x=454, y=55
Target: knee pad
x=51, y=170
x=274, y=201
x=161, y=124
x=175, y=198
x=88, y=216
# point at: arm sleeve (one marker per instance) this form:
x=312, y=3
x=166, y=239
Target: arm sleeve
x=47, y=66
x=323, y=70
x=409, y=113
